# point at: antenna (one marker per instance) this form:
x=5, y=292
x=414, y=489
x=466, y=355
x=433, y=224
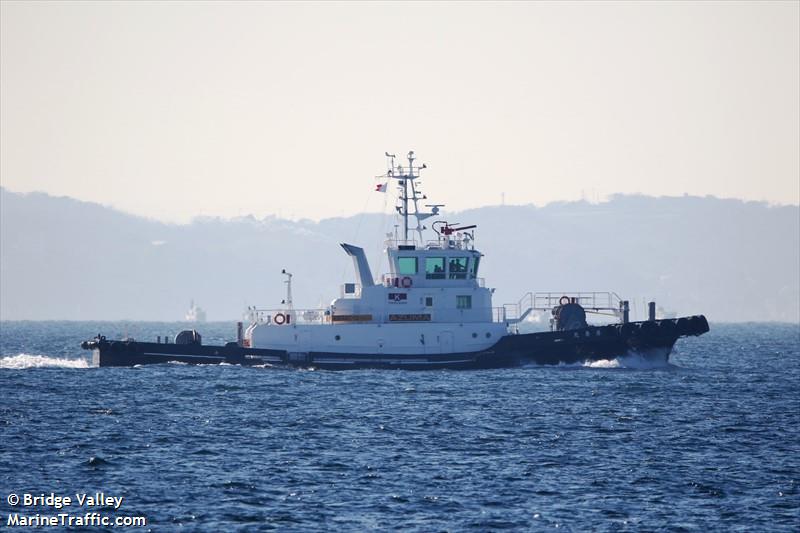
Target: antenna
x=288, y=282
x=434, y=208
x=408, y=191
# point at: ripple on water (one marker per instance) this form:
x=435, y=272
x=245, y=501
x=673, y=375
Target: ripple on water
x=711, y=443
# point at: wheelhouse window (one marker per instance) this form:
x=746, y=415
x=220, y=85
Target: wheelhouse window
x=464, y=302
x=406, y=266
x=434, y=267
x=458, y=267
x=474, y=272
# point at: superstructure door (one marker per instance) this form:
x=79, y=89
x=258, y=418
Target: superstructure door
x=446, y=342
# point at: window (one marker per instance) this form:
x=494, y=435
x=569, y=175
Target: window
x=474, y=273
x=463, y=302
x=434, y=267
x=458, y=267
x=406, y=265
x=429, y=301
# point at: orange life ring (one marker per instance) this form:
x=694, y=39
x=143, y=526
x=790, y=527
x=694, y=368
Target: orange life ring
x=564, y=300
x=406, y=282
x=280, y=319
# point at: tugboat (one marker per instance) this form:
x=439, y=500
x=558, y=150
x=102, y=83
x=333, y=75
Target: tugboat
x=432, y=310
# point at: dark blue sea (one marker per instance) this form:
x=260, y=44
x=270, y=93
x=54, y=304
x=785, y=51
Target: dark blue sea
x=709, y=442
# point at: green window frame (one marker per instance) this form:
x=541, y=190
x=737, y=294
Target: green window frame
x=464, y=301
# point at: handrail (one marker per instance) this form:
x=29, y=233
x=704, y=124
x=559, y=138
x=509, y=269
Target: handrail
x=596, y=302
x=437, y=244
x=517, y=312
x=388, y=280
x=602, y=303
x=295, y=316
x=498, y=314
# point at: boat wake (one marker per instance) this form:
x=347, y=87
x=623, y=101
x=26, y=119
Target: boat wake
x=656, y=359
x=652, y=360
x=24, y=360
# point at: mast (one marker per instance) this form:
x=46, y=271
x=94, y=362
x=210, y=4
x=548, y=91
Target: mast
x=406, y=177
x=405, y=207
x=410, y=175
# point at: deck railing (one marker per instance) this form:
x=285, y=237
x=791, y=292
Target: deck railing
x=287, y=316
x=452, y=243
x=595, y=302
x=518, y=311
x=602, y=303
x=396, y=280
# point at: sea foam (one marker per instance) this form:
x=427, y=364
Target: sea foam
x=25, y=360
x=653, y=359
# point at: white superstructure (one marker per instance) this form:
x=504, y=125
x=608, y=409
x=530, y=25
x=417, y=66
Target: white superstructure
x=432, y=300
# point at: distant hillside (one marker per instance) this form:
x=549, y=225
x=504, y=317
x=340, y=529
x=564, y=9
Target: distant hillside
x=65, y=259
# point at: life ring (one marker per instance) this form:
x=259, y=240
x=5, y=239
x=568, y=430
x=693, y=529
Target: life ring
x=564, y=300
x=406, y=282
x=280, y=319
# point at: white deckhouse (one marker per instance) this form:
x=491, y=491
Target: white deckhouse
x=431, y=301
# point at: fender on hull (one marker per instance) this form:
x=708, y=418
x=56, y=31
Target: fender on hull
x=593, y=343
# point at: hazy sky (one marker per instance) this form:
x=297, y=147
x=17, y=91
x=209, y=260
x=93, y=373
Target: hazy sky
x=172, y=110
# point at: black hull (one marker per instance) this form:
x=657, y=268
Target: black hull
x=546, y=348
